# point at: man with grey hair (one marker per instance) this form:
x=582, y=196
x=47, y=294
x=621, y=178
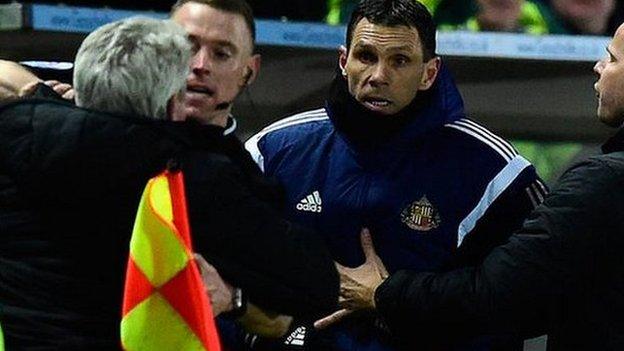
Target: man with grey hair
x=145, y=60
x=71, y=180
x=65, y=215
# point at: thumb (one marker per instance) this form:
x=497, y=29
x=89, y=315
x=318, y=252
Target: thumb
x=367, y=245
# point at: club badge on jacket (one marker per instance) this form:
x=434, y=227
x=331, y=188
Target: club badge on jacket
x=421, y=215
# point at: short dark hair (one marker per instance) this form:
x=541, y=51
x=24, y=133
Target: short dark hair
x=392, y=13
x=238, y=7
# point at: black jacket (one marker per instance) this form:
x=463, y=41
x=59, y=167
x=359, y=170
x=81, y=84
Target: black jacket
x=70, y=182
x=561, y=274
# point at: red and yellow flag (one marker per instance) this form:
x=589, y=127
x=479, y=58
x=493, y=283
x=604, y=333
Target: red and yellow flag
x=165, y=306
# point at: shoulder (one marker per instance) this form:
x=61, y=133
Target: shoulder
x=587, y=201
x=494, y=158
x=288, y=131
x=296, y=125
x=35, y=106
x=602, y=173
x=473, y=137
x=614, y=161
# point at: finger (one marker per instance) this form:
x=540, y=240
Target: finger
x=51, y=83
x=69, y=95
x=203, y=265
x=339, y=267
x=28, y=89
x=367, y=245
x=62, y=88
x=332, y=319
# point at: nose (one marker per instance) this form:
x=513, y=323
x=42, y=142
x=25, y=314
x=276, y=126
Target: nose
x=380, y=75
x=201, y=64
x=599, y=66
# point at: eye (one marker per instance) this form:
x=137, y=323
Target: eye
x=222, y=54
x=612, y=58
x=401, y=60
x=194, y=44
x=366, y=57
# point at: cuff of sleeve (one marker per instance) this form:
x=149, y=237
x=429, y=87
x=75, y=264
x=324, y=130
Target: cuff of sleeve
x=388, y=292
x=388, y=296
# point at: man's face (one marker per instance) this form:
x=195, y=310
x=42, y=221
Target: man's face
x=610, y=85
x=501, y=7
x=222, y=63
x=384, y=66
x=500, y=15
x=581, y=9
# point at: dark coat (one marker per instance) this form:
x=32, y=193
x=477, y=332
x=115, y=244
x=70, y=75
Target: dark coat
x=70, y=182
x=561, y=274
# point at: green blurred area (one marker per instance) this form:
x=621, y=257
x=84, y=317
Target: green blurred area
x=549, y=158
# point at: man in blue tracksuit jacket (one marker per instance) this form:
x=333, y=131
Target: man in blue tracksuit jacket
x=393, y=151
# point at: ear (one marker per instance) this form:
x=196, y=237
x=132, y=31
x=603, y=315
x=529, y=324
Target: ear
x=430, y=72
x=253, y=67
x=175, y=107
x=342, y=59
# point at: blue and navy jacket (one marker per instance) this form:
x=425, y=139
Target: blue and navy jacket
x=440, y=193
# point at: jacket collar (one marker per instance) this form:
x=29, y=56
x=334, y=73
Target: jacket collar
x=231, y=125
x=430, y=111
x=615, y=143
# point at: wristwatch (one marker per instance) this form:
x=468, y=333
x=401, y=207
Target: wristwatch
x=239, y=304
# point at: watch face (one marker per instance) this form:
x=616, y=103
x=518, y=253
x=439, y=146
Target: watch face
x=237, y=298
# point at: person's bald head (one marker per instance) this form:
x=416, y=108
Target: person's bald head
x=610, y=85
x=237, y=7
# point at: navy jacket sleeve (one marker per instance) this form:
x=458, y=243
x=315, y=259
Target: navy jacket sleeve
x=503, y=217
x=527, y=284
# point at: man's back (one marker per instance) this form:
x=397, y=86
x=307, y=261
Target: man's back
x=74, y=178
x=68, y=221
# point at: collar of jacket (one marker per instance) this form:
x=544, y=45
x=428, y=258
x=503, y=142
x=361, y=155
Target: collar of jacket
x=230, y=126
x=196, y=135
x=429, y=111
x=615, y=143
x=204, y=134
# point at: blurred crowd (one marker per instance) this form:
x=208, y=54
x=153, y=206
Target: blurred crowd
x=588, y=17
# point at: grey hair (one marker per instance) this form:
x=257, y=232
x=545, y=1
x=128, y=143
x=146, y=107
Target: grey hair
x=132, y=67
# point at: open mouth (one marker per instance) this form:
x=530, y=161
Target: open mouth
x=377, y=103
x=200, y=90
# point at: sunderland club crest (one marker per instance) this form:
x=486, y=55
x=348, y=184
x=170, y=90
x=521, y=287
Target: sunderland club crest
x=421, y=215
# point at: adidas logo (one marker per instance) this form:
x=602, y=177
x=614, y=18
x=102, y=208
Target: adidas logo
x=297, y=337
x=311, y=203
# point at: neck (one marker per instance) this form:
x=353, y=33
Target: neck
x=216, y=119
x=364, y=126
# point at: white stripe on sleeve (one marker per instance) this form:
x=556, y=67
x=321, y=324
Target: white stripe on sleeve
x=496, y=187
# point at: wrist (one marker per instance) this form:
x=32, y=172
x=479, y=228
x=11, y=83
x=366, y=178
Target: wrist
x=237, y=306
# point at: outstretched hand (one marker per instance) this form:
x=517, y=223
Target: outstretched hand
x=358, y=285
